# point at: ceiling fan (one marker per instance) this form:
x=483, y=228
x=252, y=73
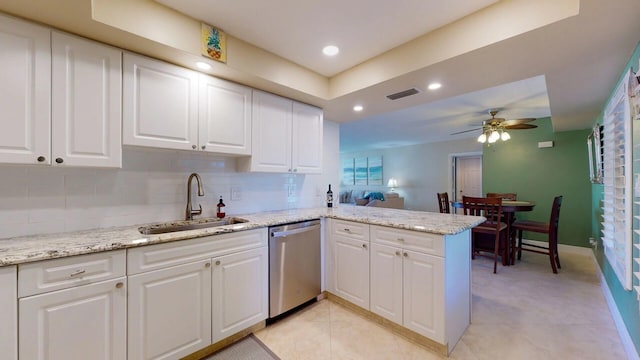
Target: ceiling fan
x=495, y=128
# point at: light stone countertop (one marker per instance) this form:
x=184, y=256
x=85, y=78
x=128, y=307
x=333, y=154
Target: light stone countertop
x=50, y=246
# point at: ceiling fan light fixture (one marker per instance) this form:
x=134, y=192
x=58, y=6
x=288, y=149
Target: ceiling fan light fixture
x=494, y=136
x=482, y=138
x=505, y=136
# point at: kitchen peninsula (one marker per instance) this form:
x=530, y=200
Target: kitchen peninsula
x=432, y=248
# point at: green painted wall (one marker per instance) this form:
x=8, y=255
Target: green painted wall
x=626, y=301
x=535, y=174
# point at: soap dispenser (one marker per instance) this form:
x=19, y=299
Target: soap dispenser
x=221, y=212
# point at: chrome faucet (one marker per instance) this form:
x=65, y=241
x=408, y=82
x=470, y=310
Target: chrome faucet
x=190, y=211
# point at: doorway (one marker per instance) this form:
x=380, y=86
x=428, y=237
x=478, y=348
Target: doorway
x=466, y=175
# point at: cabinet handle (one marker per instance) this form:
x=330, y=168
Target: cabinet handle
x=59, y=160
x=347, y=230
x=364, y=246
x=295, y=170
x=406, y=254
x=400, y=239
x=41, y=159
x=398, y=253
x=194, y=147
x=207, y=265
x=203, y=147
x=77, y=272
x=289, y=170
x=119, y=285
x=217, y=262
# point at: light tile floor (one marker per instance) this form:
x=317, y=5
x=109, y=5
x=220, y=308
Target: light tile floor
x=522, y=312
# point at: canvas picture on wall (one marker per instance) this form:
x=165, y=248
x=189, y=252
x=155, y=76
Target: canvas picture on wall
x=348, y=171
x=375, y=170
x=361, y=171
x=214, y=43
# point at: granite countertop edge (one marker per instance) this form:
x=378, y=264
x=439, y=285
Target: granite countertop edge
x=32, y=248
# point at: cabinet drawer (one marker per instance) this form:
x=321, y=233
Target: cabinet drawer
x=44, y=276
x=410, y=240
x=159, y=256
x=350, y=229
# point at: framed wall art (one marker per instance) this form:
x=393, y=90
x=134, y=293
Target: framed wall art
x=214, y=43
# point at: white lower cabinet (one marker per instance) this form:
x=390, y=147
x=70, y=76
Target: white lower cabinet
x=84, y=322
x=349, y=256
x=423, y=294
x=240, y=291
x=170, y=311
x=407, y=288
x=9, y=313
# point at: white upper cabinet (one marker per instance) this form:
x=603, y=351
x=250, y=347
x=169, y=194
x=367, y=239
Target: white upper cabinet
x=224, y=117
x=86, y=102
x=306, y=149
x=25, y=94
x=286, y=136
x=160, y=104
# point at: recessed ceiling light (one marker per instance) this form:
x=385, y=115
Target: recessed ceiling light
x=203, y=65
x=358, y=108
x=435, y=86
x=330, y=50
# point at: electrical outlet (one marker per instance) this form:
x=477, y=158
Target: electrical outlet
x=236, y=194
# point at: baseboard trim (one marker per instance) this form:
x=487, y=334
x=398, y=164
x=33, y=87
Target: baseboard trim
x=627, y=343
x=563, y=248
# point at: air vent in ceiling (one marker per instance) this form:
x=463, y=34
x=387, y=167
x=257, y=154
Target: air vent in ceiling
x=403, y=93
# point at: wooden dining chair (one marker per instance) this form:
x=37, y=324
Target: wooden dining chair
x=504, y=196
x=550, y=228
x=443, y=203
x=492, y=228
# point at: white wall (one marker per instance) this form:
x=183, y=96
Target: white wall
x=422, y=170
x=150, y=187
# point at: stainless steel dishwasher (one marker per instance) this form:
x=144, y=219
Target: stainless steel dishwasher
x=294, y=265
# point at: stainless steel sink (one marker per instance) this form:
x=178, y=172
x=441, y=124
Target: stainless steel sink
x=188, y=225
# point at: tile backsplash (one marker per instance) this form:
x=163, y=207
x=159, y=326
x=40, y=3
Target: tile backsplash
x=150, y=187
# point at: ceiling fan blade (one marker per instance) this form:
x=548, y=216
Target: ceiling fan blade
x=521, y=126
x=466, y=131
x=517, y=121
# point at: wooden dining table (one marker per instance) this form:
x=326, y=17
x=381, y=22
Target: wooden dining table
x=509, y=208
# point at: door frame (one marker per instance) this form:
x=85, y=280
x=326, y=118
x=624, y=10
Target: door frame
x=453, y=170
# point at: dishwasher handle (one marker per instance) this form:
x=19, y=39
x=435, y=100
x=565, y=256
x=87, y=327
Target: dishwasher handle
x=276, y=234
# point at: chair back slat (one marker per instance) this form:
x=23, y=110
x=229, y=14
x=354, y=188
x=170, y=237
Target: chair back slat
x=504, y=196
x=554, y=219
x=490, y=208
x=443, y=202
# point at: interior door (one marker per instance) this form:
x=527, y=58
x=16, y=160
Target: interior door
x=468, y=176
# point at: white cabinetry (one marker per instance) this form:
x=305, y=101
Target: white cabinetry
x=84, y=319
x=178, y=304
x=348, y=255
x=25, y=100
x=63, y=109
x=240, y=289
x=286, y=136
x=9, y=313
x=170, y=311
x=224, y=116
x=408, y=287
x=160, y=104
x=86, y=102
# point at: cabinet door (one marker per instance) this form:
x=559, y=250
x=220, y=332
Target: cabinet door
x=306, y=151
x=386, y=282
x=170, y=311
x=25, y=94
x=85, y=322
x=224, y=117
x=86, y=102
x=9, y=313
x=424, y=294
x=240, y=291
x=271, y=133
x=160, y=104
x=351, y=270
